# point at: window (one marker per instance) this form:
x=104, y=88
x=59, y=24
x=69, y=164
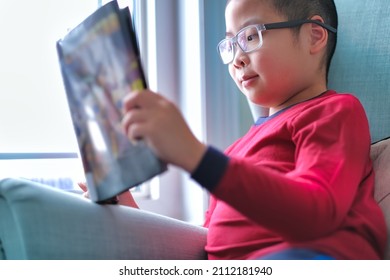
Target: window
x=33, y=116
x=37, y=139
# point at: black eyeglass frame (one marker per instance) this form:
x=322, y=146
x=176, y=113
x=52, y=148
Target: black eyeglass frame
x=275, y=25
x=298, y=22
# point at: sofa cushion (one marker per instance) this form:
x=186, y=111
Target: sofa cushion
x=380, y=154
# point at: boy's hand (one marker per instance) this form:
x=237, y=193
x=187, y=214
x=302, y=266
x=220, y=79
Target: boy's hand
x=83, y=186
x=151, y=117
x=125, y=198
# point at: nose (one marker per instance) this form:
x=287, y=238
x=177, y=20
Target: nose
x=240, y=58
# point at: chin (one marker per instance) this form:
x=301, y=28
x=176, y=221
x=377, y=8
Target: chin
x=255, y=98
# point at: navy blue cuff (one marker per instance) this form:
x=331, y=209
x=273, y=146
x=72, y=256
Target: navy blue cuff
x=210, y=169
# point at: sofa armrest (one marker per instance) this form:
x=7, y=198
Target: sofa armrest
x=380, y=155
x=41, y=222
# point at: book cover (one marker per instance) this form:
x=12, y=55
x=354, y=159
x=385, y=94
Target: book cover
x=100, y=64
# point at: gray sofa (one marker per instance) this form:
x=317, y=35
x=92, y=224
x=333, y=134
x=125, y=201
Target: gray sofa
x=40, y=222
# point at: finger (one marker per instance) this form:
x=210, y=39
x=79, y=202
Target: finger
x=86, y=194
x=138, y=99
x=136, y=132
x=145, y=99
x=83, y=186
x=133, y=118
x=129, y=102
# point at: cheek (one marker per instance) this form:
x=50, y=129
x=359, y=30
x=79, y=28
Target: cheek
x=269, y=58
x=274, y=68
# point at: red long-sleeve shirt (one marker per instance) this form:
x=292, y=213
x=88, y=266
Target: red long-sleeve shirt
x=300, y=178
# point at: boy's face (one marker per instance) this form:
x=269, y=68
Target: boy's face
x=277, y=74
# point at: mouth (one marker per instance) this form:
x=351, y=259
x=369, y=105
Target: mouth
x=246, y=80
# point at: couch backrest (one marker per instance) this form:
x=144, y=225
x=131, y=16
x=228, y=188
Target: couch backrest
x=361, y=64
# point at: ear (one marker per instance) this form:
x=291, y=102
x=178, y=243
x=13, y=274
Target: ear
x=318, y=36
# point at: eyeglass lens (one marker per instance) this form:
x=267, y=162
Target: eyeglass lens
x=248, y=40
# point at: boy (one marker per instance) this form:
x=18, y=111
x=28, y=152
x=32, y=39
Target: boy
x=299, y=184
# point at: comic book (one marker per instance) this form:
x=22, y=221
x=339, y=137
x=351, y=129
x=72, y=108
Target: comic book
x=100, y=64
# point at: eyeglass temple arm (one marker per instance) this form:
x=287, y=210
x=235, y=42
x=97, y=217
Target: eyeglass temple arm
x=295, y=23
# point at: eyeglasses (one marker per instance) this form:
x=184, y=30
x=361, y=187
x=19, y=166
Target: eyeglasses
x=250, y=38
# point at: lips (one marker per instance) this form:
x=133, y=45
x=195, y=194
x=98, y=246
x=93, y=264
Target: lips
x=246, y=79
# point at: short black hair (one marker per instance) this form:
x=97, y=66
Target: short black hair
x=306, y=9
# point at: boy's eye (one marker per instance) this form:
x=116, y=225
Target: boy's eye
x=251, y=37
